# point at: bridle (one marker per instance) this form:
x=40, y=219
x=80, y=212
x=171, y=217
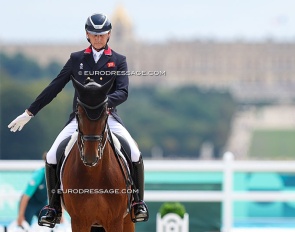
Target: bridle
x=91, y=138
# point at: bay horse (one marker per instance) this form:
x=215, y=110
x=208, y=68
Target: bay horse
x=92, y=179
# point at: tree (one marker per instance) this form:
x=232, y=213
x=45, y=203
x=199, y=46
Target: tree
x=38, y=135
x=178, y=120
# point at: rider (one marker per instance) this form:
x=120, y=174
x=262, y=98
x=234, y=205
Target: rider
x=83, y=64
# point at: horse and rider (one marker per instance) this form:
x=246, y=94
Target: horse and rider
x=106, y=67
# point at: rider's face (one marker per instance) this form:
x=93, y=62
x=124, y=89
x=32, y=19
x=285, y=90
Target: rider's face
x=98, y=41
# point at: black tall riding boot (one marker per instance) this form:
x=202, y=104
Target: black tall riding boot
x=54, y=210
x=140, y=208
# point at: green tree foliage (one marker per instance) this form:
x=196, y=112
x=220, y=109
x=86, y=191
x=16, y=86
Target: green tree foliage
x=178, y=121
x=38, y=135
x=21, y=67
x=52, y=69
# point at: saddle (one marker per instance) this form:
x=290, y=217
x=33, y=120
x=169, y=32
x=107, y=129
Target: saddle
x=60, y=155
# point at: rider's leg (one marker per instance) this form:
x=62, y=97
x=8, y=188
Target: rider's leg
x=54, y=210
x=140, y=209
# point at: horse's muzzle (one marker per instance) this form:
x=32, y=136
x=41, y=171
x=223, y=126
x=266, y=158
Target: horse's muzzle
x=90, y=163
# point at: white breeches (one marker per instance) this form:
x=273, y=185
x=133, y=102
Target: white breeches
x=115, y=127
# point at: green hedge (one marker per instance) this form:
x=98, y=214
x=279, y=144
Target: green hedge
x=172, y=207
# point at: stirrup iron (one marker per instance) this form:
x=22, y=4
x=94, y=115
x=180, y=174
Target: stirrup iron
x=139, y=219
x=44, y=211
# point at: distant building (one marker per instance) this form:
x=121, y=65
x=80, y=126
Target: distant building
x=251, y=71
x=122, y=26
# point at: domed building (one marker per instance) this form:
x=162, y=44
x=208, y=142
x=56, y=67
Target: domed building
x=122, y=26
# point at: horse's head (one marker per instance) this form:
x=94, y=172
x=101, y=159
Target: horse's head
x=91, y=114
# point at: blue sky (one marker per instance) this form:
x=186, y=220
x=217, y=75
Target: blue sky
x=63, y=20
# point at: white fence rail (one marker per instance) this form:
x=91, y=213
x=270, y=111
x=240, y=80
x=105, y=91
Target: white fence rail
x=228, y=166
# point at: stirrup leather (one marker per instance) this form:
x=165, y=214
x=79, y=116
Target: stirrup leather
x=45, y=211
x=140, y=218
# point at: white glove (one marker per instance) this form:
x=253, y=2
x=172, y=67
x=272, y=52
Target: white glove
x=19, y=122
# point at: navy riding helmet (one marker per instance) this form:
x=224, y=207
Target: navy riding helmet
x=98, y=24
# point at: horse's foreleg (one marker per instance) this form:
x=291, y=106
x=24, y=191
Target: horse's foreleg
x=79, y=226
x=114, y=226
x=129, y=226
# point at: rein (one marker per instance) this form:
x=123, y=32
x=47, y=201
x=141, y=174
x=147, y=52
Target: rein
x=91, y=138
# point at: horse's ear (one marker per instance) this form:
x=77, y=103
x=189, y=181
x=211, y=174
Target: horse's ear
x=77, y=85
x=107, y=86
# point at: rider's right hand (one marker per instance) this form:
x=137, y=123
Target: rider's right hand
x=20, y=121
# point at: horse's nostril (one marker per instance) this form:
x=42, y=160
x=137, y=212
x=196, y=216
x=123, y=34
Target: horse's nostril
x=91, y=159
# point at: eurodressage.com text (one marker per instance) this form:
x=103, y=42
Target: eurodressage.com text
x=128, y=73
x=95, y=191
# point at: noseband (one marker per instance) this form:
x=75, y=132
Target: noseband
x=91, y=138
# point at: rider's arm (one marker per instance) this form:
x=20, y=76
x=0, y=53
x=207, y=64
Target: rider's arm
x=50, y=92
x=29, y=113
x=121, y=85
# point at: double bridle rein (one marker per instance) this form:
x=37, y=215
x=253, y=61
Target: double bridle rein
x=91, y=138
